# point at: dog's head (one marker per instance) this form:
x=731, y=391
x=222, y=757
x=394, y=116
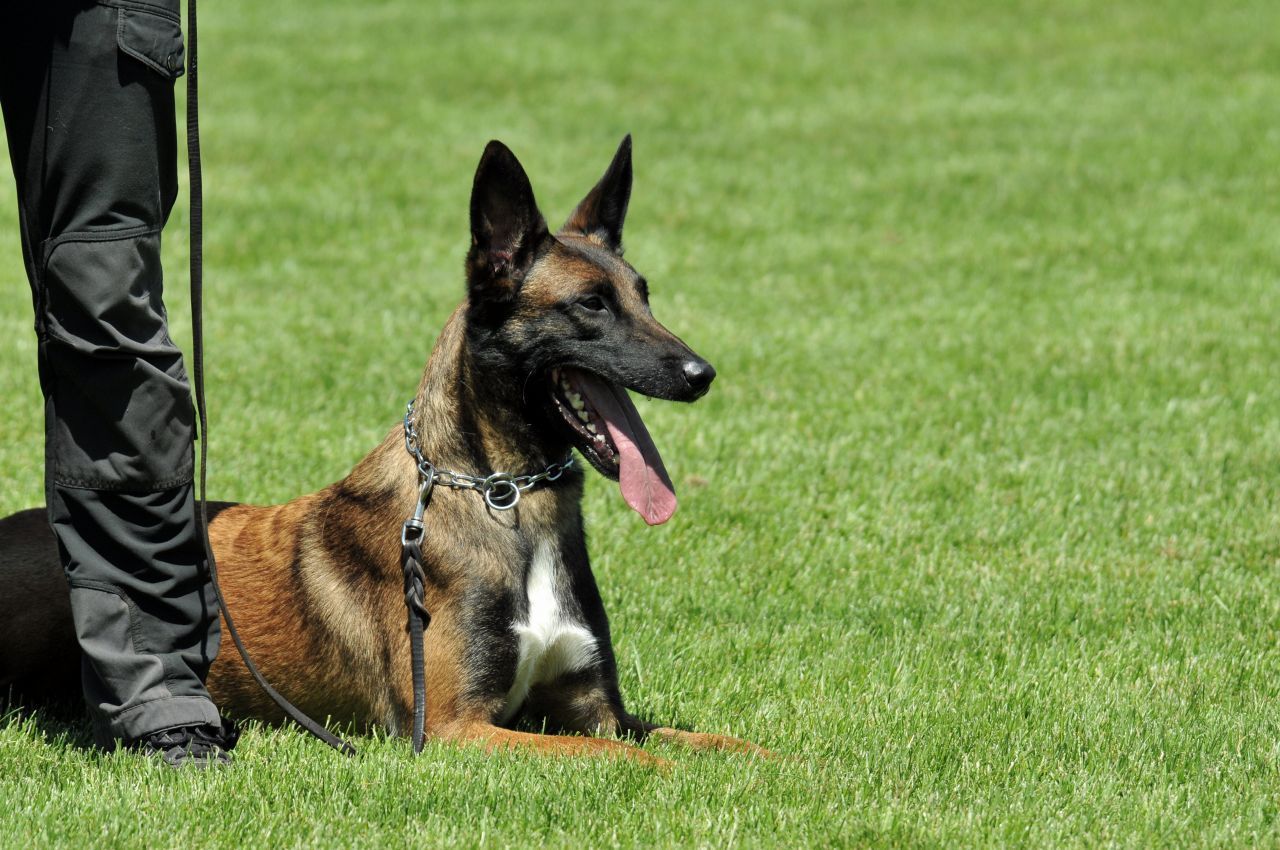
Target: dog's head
x=566, y=319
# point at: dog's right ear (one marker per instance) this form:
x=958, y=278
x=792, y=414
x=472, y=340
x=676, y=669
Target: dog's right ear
x=506, y=227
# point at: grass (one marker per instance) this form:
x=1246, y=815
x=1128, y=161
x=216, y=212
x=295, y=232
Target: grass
x=980, y=523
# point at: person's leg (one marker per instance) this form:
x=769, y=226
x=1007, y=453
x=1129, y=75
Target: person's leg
x=87, y=92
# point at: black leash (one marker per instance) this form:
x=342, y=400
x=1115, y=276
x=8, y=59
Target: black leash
x=197, y=345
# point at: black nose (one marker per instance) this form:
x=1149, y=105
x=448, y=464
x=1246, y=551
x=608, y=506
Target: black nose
x=699, y=374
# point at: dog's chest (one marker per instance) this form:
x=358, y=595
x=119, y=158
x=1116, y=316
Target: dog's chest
x=552, y=639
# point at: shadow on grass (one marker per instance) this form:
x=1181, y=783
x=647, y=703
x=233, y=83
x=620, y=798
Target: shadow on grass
x=59, y=722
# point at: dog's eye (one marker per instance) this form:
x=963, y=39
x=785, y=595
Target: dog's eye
x=594, y=303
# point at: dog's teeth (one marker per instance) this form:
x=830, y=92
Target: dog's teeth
x=591, y=426
x=584, y=416
x=599, y=438
x=576, y=401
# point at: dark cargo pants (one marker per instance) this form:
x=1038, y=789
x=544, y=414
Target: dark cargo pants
x=87, y=95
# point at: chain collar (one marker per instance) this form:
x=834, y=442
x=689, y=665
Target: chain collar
x=501, y=490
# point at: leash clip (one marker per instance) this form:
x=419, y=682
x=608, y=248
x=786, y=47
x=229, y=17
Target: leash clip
x=412, y=532
x=414, y=527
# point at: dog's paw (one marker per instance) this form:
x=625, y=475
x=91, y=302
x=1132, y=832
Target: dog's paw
x=709, y=741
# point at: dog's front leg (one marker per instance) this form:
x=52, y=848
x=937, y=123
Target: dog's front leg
x=696, y=740
x=465, y=700
x=588, y=706
x=496, y=737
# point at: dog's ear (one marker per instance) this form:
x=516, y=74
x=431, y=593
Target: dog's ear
x=602, y=211
x=506, y=227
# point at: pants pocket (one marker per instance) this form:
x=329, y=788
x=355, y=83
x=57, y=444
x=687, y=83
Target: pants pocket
x=119, y=409
x=120, y=672
x=153, y=38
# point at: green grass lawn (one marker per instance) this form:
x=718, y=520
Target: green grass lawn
x=980, y=522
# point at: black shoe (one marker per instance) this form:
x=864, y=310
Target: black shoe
x=199, y=746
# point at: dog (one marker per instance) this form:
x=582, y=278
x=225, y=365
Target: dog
x=537, y=360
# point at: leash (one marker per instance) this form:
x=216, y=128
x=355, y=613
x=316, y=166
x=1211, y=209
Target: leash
x=197, y=346
x=501, y=492
x=419, y=618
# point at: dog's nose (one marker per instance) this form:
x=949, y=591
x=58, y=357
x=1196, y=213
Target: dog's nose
x=699, y=374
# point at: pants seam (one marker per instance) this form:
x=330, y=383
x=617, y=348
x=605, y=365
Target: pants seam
x=116, y=487
x=132, y=6
x=133, y=231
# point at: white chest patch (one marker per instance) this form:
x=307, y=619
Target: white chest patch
x=552, y=641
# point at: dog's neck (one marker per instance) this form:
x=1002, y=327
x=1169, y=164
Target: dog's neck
x=473, y=421
x=466, y=422
x=461, y=428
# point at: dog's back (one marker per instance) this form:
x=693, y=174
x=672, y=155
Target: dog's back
x=39, y=658
x=39, y=655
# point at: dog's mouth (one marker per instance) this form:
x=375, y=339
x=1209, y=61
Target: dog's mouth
x=609, y=433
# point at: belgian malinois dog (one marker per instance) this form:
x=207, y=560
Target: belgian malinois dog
x=536, y=361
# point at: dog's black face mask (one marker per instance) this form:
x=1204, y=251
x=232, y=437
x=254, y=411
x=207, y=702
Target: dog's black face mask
x=566, y=320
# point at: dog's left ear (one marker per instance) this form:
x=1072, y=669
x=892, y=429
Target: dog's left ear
x=506, y=227
x=602, y=211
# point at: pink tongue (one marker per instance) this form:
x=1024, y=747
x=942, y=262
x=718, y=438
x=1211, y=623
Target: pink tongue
x=643, y=479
